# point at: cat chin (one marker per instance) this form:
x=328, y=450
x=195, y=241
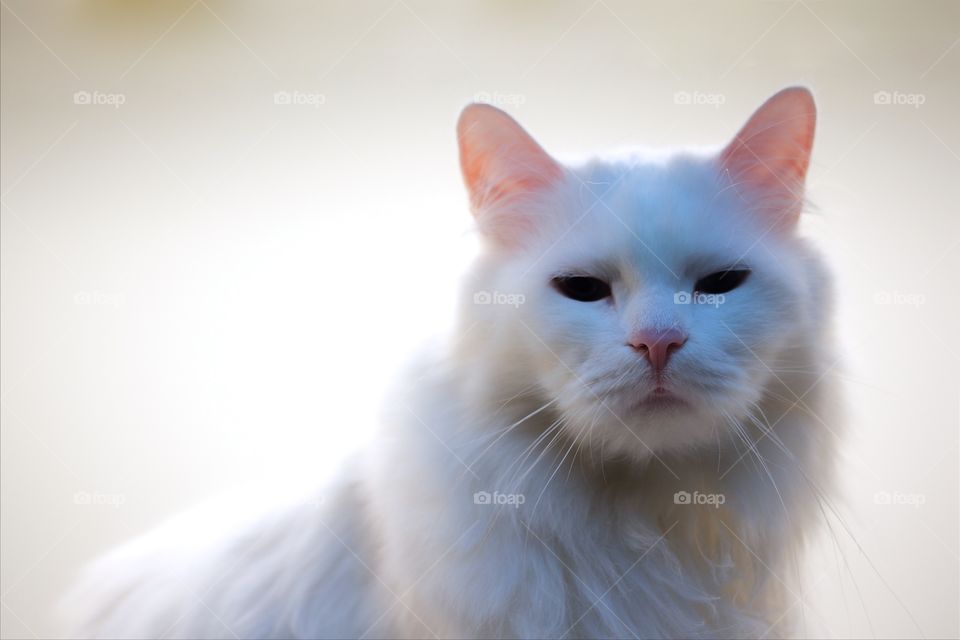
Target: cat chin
x=647, y=429
x=643, y=446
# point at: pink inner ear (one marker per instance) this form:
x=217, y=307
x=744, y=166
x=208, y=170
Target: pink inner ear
x=499, y=160
x=491, y=180
x=771, y=153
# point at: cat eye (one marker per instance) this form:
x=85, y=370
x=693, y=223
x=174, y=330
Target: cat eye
x=721, y=281
x=582, y=288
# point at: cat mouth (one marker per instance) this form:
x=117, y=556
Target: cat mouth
x=661, y=398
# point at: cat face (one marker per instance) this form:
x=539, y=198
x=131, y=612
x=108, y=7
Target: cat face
x=654, y=295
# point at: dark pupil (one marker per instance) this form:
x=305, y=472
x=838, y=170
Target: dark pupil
x=722, y=281
x=582, y=288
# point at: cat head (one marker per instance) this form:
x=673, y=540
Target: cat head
x=649, y=297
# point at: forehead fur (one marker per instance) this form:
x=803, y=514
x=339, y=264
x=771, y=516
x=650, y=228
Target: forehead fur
x=666, y=216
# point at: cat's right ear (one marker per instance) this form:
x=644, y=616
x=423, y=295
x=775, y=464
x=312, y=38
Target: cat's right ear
x=771, y=153
x=502, y=167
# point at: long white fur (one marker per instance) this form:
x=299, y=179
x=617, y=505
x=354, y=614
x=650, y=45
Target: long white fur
x=538, y=400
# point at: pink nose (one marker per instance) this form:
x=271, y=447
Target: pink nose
x=658, y=345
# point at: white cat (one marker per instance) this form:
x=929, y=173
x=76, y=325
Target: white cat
x=627, y=436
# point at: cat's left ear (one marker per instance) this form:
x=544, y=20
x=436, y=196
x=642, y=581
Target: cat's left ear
x=770, y=155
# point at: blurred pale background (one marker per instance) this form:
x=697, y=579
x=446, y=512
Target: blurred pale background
x=225, y=223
